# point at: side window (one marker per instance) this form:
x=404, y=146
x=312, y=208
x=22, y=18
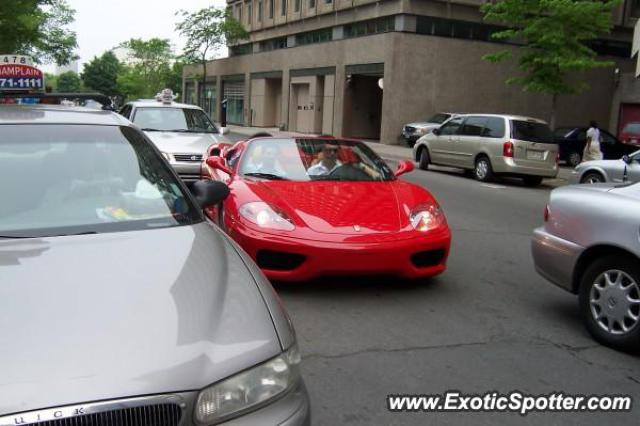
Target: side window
x=126, y=111
x=452, y=126
x=581, y=135
x=494, y=128
x=607, y=138
x=473, y=126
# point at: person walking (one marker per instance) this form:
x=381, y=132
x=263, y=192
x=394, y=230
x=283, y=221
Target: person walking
x=592, y=148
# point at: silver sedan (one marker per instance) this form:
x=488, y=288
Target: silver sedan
x=589, y=246
x=121, y=302
x=625, y=169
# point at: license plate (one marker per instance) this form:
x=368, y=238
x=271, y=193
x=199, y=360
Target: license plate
x=535, y=155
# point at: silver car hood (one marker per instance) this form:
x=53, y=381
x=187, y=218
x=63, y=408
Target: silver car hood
x=96, y=317
x=187, y=143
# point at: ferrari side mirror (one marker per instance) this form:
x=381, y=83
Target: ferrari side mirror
x=219, y=164
x=404, y=166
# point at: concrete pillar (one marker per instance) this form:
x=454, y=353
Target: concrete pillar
x=258, y=102
x=219, y=99
x=284, y=107
x=338, y=112
x=338, y=33
x=247, y=99
x=328, y=104
x=406, y=23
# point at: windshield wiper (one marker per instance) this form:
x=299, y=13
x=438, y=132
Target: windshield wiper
x=266, y=176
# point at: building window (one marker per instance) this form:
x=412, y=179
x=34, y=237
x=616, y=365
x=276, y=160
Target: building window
x=273, y=44
x=283, y=4
x=328, y=1
x=611, y=48
x=260, y=11
x=312, y=4
x=270, y=9
x=456, y=29
x=249, y=13
x=635, y=8
x=374, y=26
x=240, y=12
x=311, y=37
x=296, y=6
x=242, y=49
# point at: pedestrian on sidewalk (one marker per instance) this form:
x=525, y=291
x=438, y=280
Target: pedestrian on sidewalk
x=592, y=148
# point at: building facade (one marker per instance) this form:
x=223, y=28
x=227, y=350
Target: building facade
x=363, y=68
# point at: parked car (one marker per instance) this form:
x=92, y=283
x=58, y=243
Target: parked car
x=625, y=169
x=630, y=134
x=413, y=131
x=300, y=219
x=589, y=246
x=122, y=303
x=181, y=132
x=572, y=140
x=491, y=145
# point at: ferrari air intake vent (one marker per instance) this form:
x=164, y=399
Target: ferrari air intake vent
x=425, y=259
x=278, y=260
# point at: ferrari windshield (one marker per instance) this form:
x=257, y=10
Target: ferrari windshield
x=166, y=119
x=313, y=159
x=84, y=180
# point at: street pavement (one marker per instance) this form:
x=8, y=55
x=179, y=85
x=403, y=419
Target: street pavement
x=489, y=323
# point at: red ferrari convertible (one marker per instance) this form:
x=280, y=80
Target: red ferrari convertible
x=304, y=208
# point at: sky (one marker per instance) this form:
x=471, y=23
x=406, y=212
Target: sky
x=102, y=25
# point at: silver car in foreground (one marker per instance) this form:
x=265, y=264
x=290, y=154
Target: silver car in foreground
x=590, y=246
x=625, y=169
x=182, y=132
x=491, y=145
x=121, y=303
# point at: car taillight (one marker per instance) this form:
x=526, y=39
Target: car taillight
x=507, y=149
x=546, y=213
x=558, y=158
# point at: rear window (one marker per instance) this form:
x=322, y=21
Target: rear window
x=531, y=131
x=632, y=128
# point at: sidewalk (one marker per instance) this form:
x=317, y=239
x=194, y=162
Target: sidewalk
x=388, y=152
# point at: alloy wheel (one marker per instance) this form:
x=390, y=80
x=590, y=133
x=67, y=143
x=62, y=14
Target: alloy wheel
x=614, y=300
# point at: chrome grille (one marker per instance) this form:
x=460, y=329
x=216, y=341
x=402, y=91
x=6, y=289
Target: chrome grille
x=188, y=158
x=149, y=415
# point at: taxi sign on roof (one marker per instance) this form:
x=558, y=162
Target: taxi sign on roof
x=17, y=73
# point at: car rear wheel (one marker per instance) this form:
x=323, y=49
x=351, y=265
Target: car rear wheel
x=574, y=158
x=592, y=177
x=532, y=180
x=610, y=301
x=483, y=171
x=424, y=159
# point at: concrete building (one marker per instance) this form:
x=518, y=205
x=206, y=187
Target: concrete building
x=363, y=68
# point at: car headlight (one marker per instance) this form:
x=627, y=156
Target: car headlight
x=167, y=156
x=265, y=216
x=248, y=389
x=420, y=131
x=427, y=217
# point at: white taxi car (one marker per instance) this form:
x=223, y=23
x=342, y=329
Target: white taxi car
x=181, y=132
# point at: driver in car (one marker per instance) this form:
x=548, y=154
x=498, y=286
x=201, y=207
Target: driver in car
x=328, y=161
x=266, y=160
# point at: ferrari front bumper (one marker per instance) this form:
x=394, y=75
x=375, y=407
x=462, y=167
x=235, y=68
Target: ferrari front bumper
x=301, y=260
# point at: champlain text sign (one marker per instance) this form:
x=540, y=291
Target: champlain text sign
x=18, y=73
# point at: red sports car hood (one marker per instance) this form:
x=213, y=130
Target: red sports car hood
x=347, y=208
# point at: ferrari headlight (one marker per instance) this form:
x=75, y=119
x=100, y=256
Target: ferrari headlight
x=427, y=217
x=248, y=389
x=263, y=215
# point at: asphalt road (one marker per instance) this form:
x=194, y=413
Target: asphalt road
x=489, y=323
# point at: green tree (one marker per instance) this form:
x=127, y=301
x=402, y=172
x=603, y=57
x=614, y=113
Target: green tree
x=206, y=31
x=68, y=82
x=554, y=36
x=101, y=74
x=51, y=82
x=150, y=67
x=38, y=28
